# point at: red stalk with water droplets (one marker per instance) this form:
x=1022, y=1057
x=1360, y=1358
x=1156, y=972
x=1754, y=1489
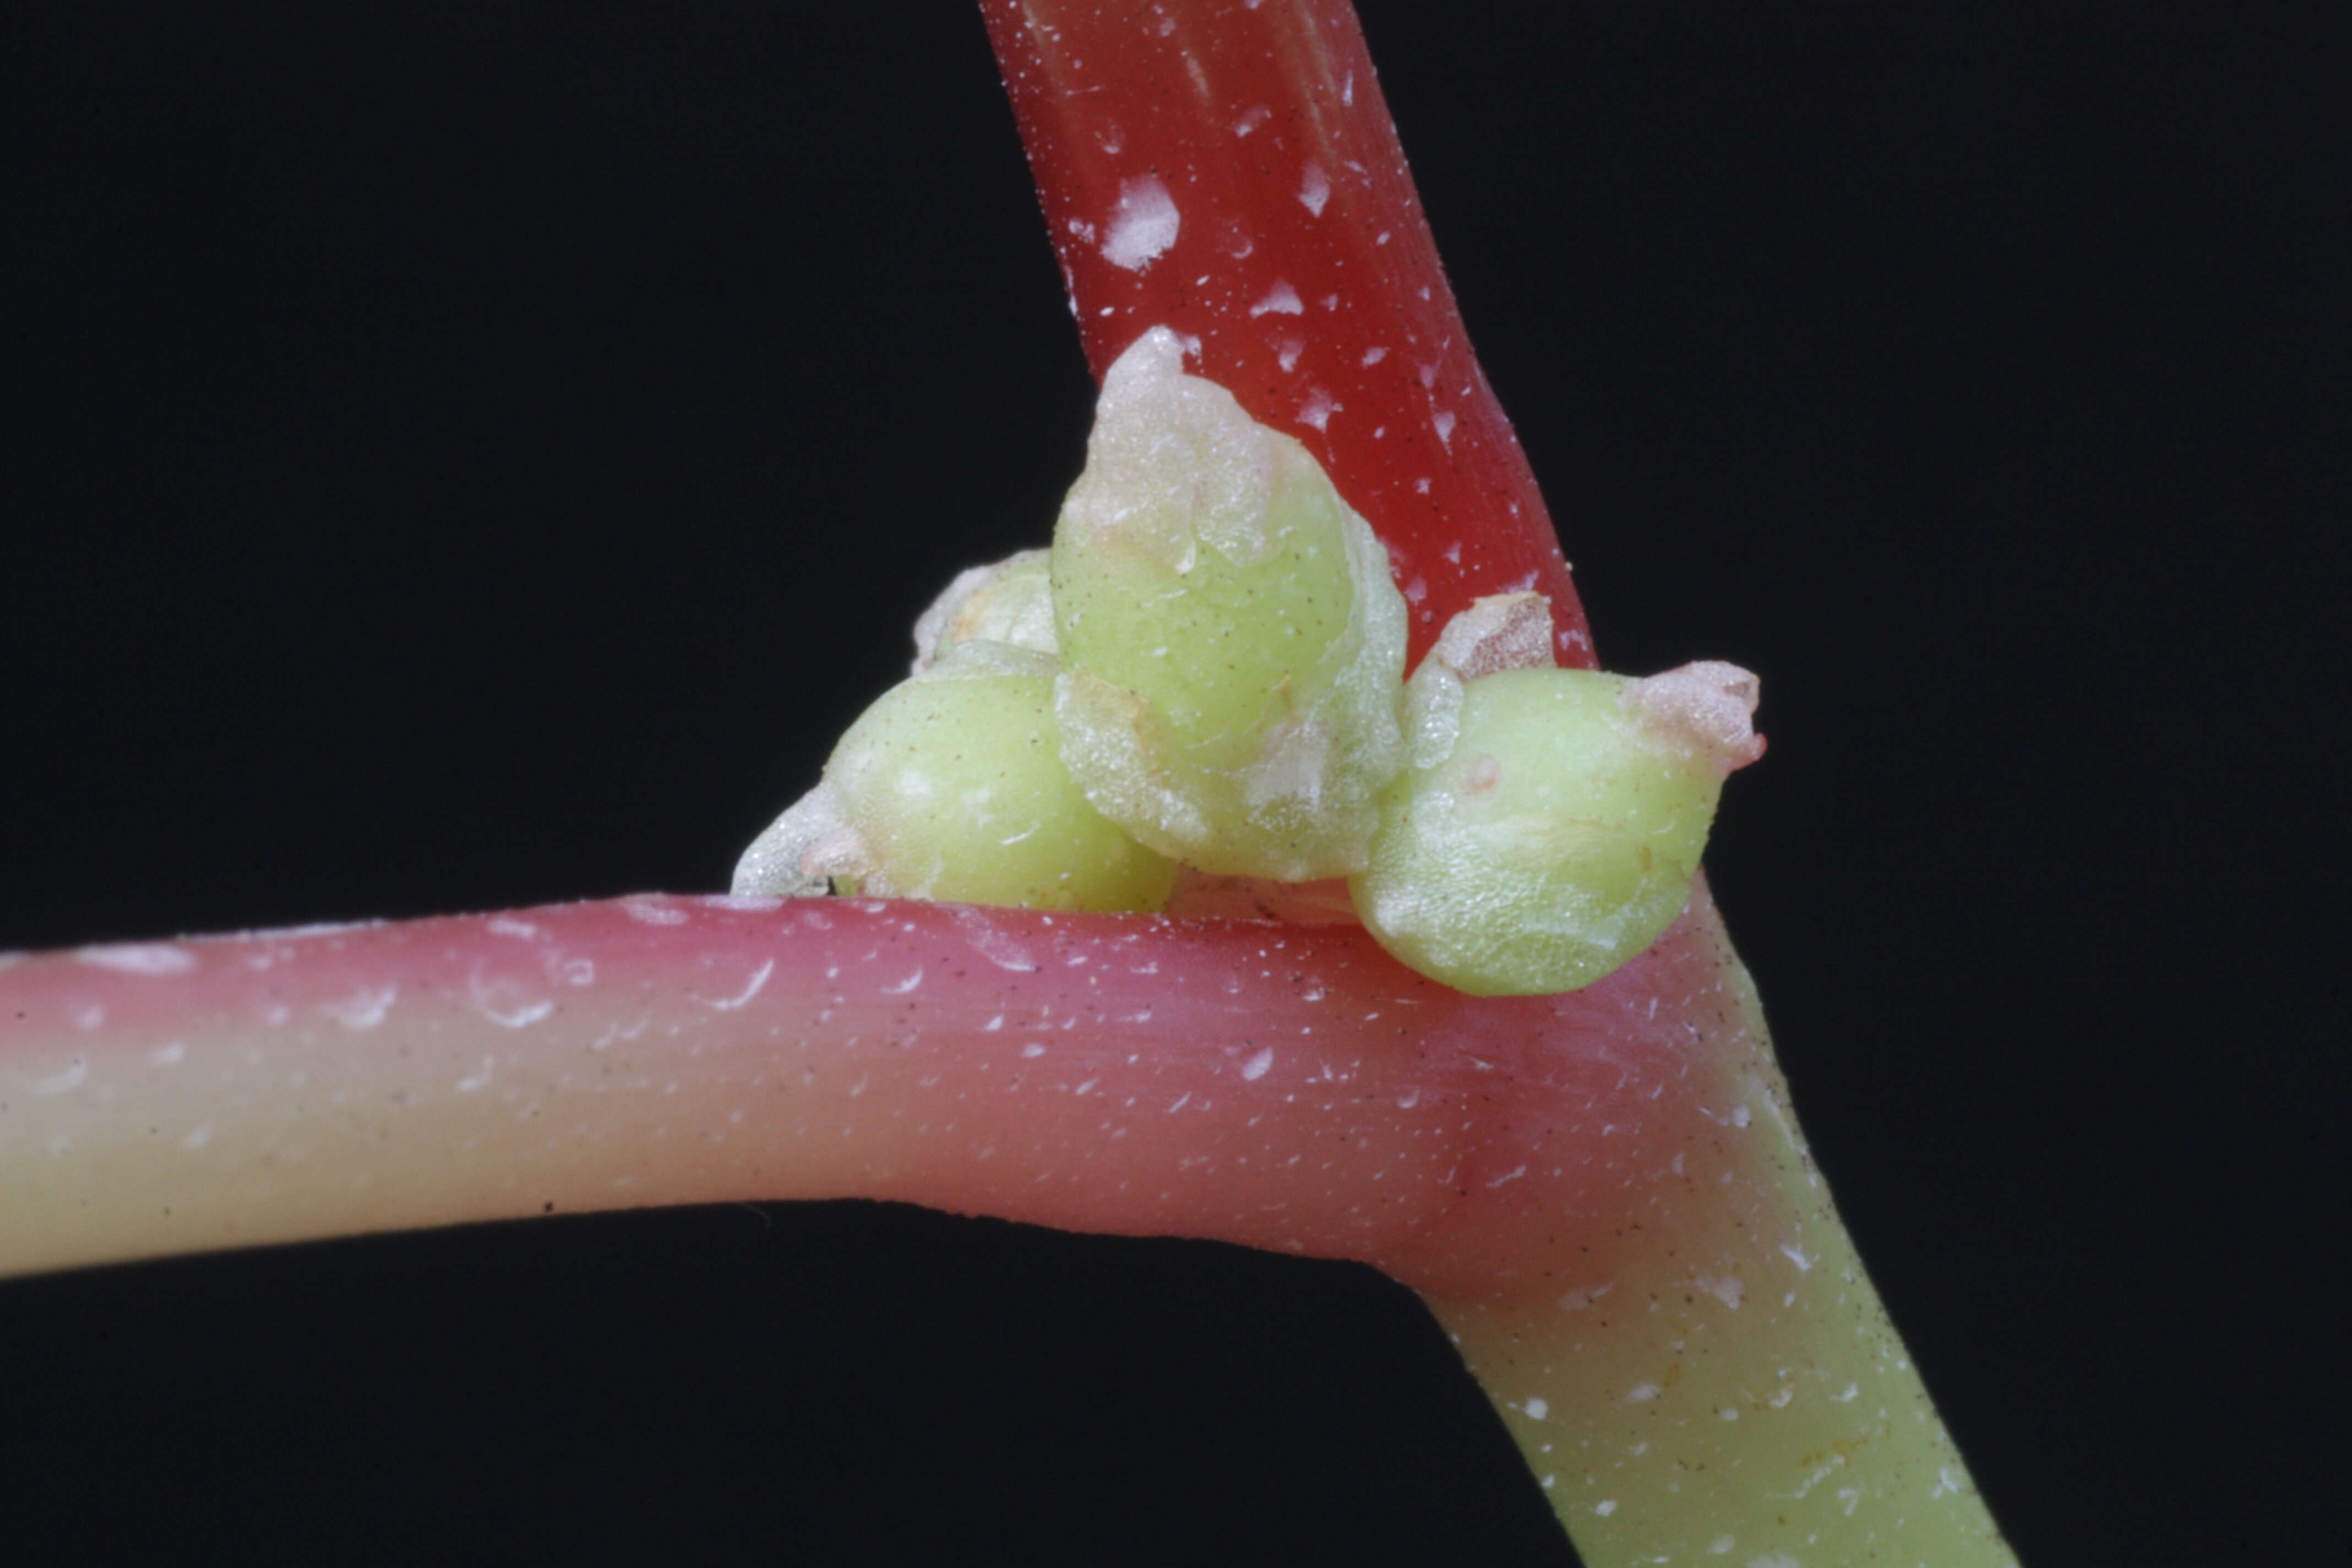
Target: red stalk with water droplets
x=1232, y=172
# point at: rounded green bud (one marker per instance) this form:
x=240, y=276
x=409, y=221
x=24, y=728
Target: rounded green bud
x=953, y=787
x=1551, y=820
x=1232, y=645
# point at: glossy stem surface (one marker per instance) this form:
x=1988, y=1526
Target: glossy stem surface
x=1709, y=1374
x=1286, y=1087
x=1667, y=1308
x=1230, y=170
x=1600, y=1193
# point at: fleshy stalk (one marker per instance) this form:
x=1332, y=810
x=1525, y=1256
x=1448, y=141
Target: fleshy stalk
x=1664, y=1306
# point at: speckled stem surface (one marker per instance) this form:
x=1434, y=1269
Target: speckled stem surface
x=1600, y=1194
x=1707, y=1375
x=1281, y=1086
x=1228, y=169
x=1645, y=1271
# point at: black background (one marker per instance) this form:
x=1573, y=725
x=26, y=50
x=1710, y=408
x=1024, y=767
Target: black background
x=481, y=454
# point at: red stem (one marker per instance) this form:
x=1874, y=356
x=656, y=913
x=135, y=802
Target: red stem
x=1228, y=168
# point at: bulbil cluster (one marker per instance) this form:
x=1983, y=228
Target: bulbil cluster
x=1201, y=685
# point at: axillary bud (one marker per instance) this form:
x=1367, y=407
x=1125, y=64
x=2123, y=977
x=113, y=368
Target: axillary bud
x=1549, y=822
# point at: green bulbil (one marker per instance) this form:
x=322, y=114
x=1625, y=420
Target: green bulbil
x=955, y=787
x=1232, y=645
x=1551, y=820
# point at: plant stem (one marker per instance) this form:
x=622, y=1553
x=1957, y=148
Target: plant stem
x=1600, y=1193
x=1669, y=1314
x=1099, y=1073
x=1250, y=145
x=1708, y=1371
x=1509, y=1159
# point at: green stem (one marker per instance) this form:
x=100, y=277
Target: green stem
x=1719, y=1379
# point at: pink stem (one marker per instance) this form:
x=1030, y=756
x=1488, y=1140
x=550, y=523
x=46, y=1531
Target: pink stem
x=1284, y=1086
